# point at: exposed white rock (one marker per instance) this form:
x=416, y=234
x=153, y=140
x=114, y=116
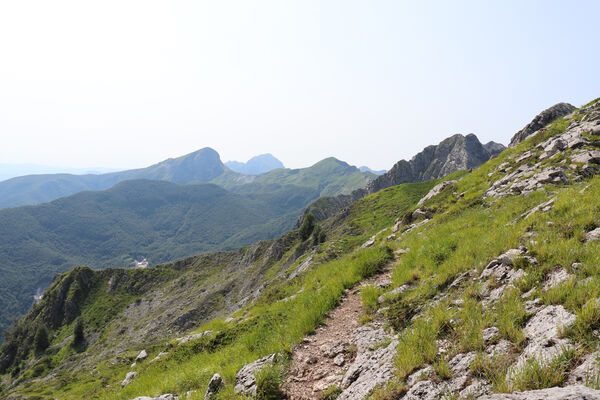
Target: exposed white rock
x=384, y=283
x=129, y=378
x=546, y=323
x=193, y=336
x=533, y=306
x=423, y=390
x=490, y=334
x=368, y=243
x=543, y=333
x=544, y=207
x=461, y=362
x=586, y=373
x=586, y=156
x=502, y=347
x=159, y=356
x=339, y=360
x=437, y=189
x=419, y=375
x=556, y=278
x=167, y=396
x=142, y=356
x=593, y=236
x=576, y=392
x=392, y=293
x=245, y=380
x=477, y=388
x=303, y=267
x=373, y=365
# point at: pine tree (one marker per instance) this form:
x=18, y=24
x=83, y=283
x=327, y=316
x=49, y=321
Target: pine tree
x=308, y=224
x=40, y=341
x=78, y=336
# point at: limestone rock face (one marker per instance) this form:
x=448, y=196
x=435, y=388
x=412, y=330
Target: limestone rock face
x=456, y=153
x=453, y=154
x=541, y=120
x=577, y=392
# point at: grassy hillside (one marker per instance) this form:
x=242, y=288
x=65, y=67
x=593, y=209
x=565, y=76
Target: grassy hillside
x=159, y=221
x=329, y=177
x=160, y=296
x=140, y=219
x=538, y=200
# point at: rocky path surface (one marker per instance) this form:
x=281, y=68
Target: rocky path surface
x=334, y=354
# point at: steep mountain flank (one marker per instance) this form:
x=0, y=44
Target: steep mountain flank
x=151, y=221
x=453, y=154
x=542, y=120
x=482, y=286
x=256, y=165
x=139, y=220
x=124, y=311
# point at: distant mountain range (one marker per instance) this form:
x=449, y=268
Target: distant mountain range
x=364, y=168
x=256, y=165
x=8, y=171
x=177, y=208
x=202, y=166
x=162, y=213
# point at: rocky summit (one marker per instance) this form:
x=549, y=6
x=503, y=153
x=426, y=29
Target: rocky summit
x=480, y=284
x=456, y=153
x=541, y=120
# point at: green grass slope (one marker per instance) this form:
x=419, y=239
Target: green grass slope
x=467, y=231
x=159, y=221
x=155, y=219
x=107, y=300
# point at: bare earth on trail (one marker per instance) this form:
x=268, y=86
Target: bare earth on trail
x=321, y=360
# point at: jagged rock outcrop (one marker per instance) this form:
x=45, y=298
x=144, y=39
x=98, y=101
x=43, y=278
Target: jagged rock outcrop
x=456, y=153
x=453, y=154
x=541, y=120
x=539, y=166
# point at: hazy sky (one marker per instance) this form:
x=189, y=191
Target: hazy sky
x=128, y=83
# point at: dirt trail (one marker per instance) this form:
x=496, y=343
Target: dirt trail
x=323, y=357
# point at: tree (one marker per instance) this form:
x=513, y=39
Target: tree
x=78, y=337
x=308, y=224
x=319, y=235
x=40, y=341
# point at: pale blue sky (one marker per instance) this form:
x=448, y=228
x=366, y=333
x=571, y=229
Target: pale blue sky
x=128, y=83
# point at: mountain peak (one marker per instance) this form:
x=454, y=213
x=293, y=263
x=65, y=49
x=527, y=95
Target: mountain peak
x=541, y=120
x=256, y=165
